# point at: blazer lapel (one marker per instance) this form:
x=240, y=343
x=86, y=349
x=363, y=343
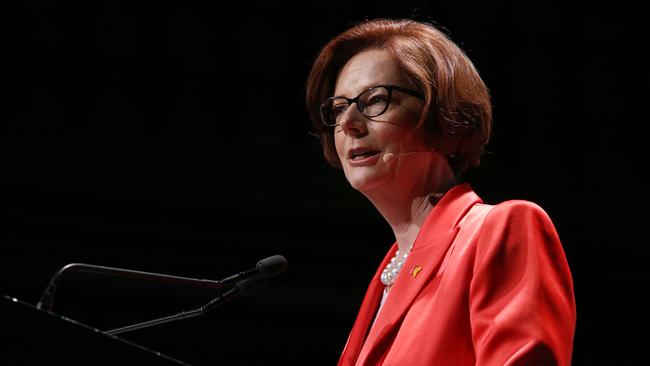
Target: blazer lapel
x=419, y=267
x=436, y=236
x=366, y=314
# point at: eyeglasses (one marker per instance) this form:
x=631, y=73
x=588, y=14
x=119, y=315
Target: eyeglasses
x=371, y=103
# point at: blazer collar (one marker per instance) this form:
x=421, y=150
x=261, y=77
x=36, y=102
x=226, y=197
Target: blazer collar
x=431, y=244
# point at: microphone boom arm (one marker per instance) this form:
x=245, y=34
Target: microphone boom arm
x=46, y=301
x=243, y=287
x=180, y=316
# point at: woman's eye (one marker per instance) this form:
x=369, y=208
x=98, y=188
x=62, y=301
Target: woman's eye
x=339, y=109
x=377, y=99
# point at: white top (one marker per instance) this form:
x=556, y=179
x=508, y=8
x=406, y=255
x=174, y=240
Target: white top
x=381, y=303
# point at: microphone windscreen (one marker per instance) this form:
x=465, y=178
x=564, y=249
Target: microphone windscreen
x=388, y=157
x=250, y=285
x=272, y=266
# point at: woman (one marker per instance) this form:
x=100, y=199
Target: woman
x=403, y=111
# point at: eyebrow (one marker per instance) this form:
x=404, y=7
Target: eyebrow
x=362, y=90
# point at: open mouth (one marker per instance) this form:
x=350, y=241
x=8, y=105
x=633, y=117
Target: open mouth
x=362, y=154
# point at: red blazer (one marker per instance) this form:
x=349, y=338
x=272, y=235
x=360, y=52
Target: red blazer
x=483, y=285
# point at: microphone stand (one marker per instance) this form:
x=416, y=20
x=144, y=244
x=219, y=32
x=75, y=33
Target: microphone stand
x=244, y=283
x=46, y=301
x=180, y=316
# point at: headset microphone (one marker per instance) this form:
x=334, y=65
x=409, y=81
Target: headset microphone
x=391, y=156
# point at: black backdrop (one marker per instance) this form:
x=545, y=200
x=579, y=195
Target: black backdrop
x=173, y=138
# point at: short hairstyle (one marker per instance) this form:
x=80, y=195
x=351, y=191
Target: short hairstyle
x=457, y=109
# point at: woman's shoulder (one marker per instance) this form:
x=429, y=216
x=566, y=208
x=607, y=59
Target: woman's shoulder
x=517, y=207
x=514, y=222
x=508, y=216
x=510, y=208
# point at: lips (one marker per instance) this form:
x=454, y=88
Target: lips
x=361, y=153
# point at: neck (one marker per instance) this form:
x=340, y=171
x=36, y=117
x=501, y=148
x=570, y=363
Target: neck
x=406, y=207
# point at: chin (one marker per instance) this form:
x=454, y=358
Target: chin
x=364, y=181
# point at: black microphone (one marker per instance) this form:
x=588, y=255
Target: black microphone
x=244, y=287
x=265, y=268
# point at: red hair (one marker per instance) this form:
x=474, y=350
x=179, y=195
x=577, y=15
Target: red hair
x=457, y=108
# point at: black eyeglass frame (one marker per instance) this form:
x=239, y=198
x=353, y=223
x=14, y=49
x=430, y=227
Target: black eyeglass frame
x=388, y=87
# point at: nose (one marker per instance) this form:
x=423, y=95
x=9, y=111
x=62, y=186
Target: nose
x=353, y=122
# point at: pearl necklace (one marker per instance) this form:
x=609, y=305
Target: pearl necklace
x=392, y=269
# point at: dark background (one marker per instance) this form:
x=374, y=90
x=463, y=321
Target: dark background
x=173, y=138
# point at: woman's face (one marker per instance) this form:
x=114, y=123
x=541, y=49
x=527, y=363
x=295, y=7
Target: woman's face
x=375, y=150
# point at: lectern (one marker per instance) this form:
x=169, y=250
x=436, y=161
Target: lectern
x=35, y=337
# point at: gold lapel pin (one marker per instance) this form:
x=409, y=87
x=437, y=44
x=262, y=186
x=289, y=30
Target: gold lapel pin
x=415, y=271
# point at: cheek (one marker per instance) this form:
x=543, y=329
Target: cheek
x=338, y=146
x=391, y=138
